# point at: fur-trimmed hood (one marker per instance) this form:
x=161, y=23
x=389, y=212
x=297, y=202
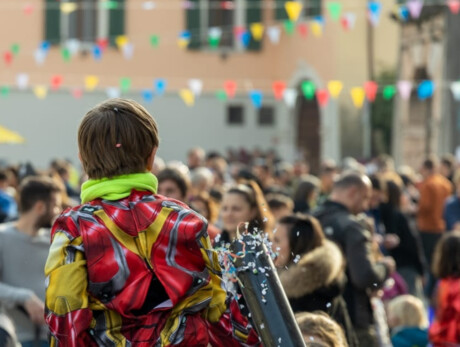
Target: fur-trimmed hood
x=320, y=268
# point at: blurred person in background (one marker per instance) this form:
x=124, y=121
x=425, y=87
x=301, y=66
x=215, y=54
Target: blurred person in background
x=339, y=218
x=8, y=205
x=434, y=191
x=24, y=247
x=204, y=205
x=319, y=330
x=328, y=174
x=408, y=321
x=195, y=158
x=244, y=208
x=173, y=184
x=311, y=270
x=451, y=212
x=447, y=167
x=202, y=180
x=280, y=205
x=306, y=194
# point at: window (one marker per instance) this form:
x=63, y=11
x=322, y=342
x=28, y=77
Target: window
x=225, y=15
x=88, y=21
x=311, y=8
x=235, y=115
x=267, y=116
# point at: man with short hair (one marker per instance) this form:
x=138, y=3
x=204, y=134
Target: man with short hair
x=8, y=206
x=341, y=222
x=24, y=247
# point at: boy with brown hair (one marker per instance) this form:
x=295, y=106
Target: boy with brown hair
x=129, y=267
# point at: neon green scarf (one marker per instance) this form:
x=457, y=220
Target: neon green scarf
x=118, y=187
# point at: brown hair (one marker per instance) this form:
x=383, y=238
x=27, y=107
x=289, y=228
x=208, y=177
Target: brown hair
x=320, y=326
x=34, y=189
x=209, y=203
x=446, y=257
x=305, y=233
x=116, y=138
x=252, y=193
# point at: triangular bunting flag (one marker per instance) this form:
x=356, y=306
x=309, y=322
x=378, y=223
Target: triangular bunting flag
x=316, y=28
x=335, y=88
x=370, y=88
x=22, y=81
x=293, y=9
x=147, y=95
x=290, y=97
x=187, y=96
x=348, y=21
x=160, y=86
x=278, y=89
x=425, y=89
x=454, y=6
x=335, y=9
x=308, y=89
x=77, y=93
x=40, y=92
x=302, y=28
x=257, y=31
x=113, y=92
x=415, y=8
x=196, y=86
x=274, y=34
x=358, y=95
x=322, y=96
x=404, y=89
x=389, y=92
x=230, y=88
x=289, y=27
x=91, y=82
x=455, y=88
x=256, y=98
x=375, y=9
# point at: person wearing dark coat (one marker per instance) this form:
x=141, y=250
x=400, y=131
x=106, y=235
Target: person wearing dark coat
x=311, y=270
x=339, y=218
x=408, y=253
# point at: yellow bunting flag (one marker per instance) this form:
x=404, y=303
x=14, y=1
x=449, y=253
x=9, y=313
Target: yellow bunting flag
x=293, y=9
x=121, y=41
x=358, y=95
x=40, y=92
x=316, y=29
x=68, y=7
x=187, y=96
x=257, y=31
x=91, y=82
x=183, y=43
x=335, y=88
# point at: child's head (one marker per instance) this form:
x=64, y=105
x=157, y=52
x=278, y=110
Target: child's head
x=408, y=311
x=117, y=137
x=446, y=257
x=319, y=330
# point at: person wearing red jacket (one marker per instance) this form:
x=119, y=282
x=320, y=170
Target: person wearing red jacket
x=129, y=267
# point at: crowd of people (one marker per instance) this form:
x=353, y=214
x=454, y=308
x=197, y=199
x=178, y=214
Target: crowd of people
x=368, y=254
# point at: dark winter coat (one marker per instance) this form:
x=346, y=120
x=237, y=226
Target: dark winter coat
x=316, y=282
x=363, y=273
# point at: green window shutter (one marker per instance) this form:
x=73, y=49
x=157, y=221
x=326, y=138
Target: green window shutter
x=52, y=22
x=116, y=21
x=253, y=15
x=315, y=8
x=193, y=25
x=280, y=11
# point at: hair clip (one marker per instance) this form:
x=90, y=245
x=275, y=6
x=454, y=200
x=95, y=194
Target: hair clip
x=115, y=109
x=118, y=145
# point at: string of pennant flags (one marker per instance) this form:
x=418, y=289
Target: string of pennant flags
x=230, y=89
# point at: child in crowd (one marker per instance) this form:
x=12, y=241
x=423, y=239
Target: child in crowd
x=319, y=330
x=129, y=267
x=408, y=320
x=445, y=330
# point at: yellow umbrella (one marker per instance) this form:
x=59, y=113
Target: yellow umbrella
x=8, y=136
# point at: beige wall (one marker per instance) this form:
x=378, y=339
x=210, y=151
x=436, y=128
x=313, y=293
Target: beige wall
x=337, y=55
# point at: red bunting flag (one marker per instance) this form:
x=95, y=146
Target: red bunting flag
x=278, y=89
x=28, y=9
x=102, y=43
x=238, y=31
x=227, y=5
x=322, y=95
x=230, y=88
x=77, y=93
x=302, y=28
x=344, y=22
x=8, y=57
x=56, y=82
x=454, y=6
x=370, y=88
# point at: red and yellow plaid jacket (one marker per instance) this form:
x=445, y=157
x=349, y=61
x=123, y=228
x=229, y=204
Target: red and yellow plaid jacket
x=139, y=271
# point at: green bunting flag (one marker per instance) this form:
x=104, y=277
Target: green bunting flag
x=389, y=92
x=308, y=90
